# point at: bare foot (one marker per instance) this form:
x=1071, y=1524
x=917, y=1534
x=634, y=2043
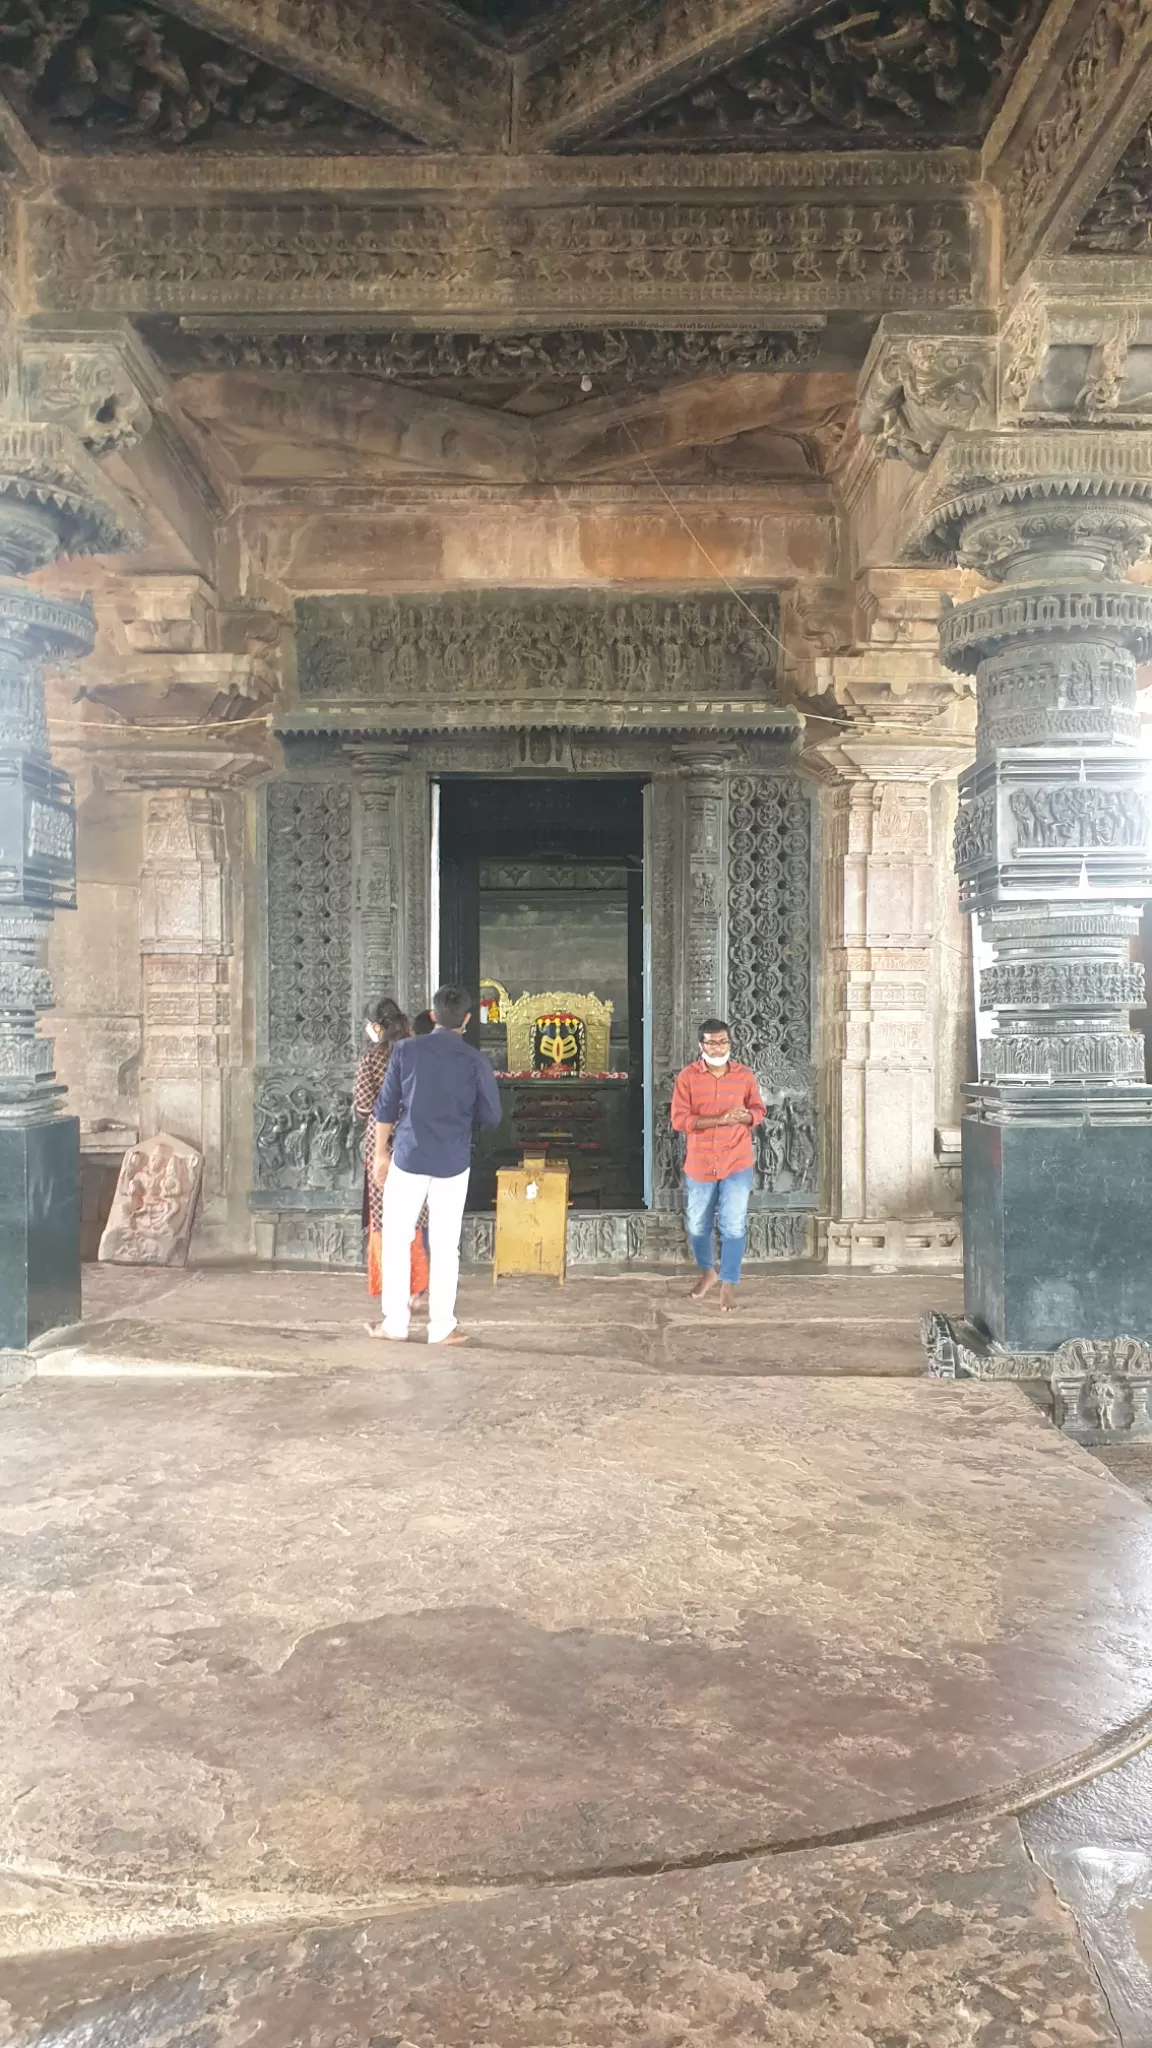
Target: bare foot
x=728, y=1301
x=378, y=1330
x=704, y=1285
x=453, y=1337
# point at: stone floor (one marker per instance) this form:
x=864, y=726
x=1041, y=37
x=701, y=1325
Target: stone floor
x=634, y=1677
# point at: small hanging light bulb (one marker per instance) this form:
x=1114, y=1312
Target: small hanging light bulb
x=585, y=382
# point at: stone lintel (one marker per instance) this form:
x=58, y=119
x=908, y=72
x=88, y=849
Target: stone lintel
x=595, y=257
x=510, y=180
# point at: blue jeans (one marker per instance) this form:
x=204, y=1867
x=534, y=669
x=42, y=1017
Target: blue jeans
x=707, y=1200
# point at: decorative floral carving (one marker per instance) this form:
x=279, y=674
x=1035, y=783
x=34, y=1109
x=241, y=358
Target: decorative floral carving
x=123, y=69
x=852, y=77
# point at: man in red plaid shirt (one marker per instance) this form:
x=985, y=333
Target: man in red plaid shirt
x=717, y=1103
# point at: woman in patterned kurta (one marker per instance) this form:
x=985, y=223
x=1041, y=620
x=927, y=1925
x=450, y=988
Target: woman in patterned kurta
x=385, y=1026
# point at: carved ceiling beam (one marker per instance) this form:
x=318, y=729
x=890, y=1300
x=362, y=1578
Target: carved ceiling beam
x=1074, y=108
x=621, y=58
x=396, y=59
x=722, y=257
x=157, y=177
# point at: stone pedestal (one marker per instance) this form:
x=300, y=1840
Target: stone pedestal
x=1056, y=1229
x=39, y=1229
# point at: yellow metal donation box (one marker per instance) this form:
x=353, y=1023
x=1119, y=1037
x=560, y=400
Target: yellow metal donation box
x=531, y=1218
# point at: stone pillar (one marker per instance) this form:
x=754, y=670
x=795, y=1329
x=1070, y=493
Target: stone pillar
x=185, y=948
x=53, y=498
x=705, y=794
x=880, y=1026
x=380, y=956
x=1052, y=850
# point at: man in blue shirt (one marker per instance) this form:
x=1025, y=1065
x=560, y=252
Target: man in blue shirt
x=436, y=1090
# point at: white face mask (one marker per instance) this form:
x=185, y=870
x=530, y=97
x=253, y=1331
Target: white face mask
x=372, y=1032
x=716, y=1059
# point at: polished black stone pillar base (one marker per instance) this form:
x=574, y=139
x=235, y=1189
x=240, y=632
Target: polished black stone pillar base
x=1057, y=1230
x=39, y=1229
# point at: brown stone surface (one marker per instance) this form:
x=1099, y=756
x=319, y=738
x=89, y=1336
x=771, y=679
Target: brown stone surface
x=593, y=1619
x=939, y=1940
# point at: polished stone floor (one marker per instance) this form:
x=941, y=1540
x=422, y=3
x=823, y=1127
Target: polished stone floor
x=634, y=1677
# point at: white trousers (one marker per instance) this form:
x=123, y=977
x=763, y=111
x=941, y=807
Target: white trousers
x=403, y=1198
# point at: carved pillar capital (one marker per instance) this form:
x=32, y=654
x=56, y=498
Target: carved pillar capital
x=920, y=382
x=53, y=498
x=1054, y=831
x=100, y=384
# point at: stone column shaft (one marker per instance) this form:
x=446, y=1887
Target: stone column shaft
x=52, y=496
x=1054, y=854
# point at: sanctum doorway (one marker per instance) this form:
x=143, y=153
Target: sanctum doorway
x=540, y=907
x=586, y=797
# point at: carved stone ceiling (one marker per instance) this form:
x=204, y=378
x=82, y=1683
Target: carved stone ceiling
x=851, y=76
x=487, y=75
x=271, y=422
x=92, y=73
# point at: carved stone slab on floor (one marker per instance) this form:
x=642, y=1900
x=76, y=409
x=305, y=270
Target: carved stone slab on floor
x=1098, y=1390
x=150, y=1222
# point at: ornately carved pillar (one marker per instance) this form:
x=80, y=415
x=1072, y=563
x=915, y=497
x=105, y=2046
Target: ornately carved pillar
x=53, y=499
x=1052, y=848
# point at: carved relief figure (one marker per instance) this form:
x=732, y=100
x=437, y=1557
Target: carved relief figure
x=150, y=1222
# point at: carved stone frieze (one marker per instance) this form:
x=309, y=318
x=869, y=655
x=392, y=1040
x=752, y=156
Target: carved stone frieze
x=850, y=78
x=1063, y=984
x=1120, y=217
x=611, y=357
x=440, y=660
x=1067, y=127
x=307, y=1135
x=122, y=71
x=719, y=254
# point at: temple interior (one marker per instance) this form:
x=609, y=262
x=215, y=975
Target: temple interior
x=641, y=509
